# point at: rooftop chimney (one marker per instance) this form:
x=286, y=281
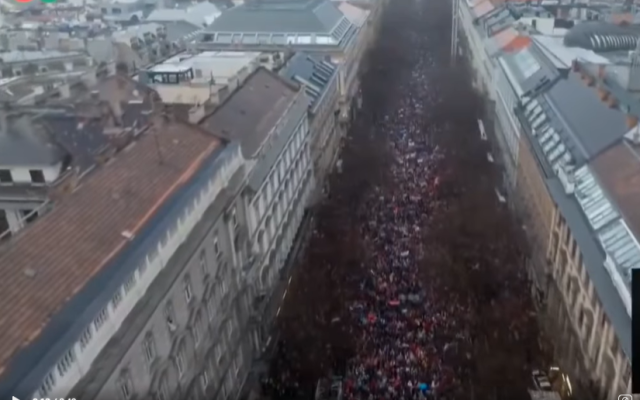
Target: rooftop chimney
x=601, y=71
x=632, y=121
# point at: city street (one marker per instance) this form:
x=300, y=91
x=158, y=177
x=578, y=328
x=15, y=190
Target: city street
x=413, y=283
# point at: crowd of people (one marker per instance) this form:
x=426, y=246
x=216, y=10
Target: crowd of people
x=380, y=299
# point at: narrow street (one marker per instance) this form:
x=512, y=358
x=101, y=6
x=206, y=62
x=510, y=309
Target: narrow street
x=412, y=284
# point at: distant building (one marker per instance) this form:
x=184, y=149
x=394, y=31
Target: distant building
x=18, y=63
x=46, y=148
x=200, y=15
x=278, y=27
x=205, y=78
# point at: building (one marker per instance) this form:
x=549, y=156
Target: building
x=160, y=256
x=320, y=81
x=577, y=149
x=45, y=146
x=563, y=107
x=314, y=26
x=268, y=116
x=205, y=78
x=199, y=15
x=18, y=63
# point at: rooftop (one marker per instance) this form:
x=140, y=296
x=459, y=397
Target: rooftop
x=579, y=131
x=53, y=269
x=222, y=64
x=29, y=56
x=603, y=36
x=250, y=113
x=313, y=73
x=198, y=15
x=306, y=22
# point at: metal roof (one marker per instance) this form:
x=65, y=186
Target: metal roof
x=313, y=73
x=314, y=22
x=602, y=36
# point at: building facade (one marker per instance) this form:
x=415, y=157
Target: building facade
x=188, y=230
x=581, y=247
x=320, y=81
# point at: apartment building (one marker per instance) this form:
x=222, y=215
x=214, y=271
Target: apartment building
x=275, y=26
x=157, y=261
x=320, y=81
x=577, y=149
x=273, y=128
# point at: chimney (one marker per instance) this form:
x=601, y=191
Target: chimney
x=612, y=102
x=575, y=66
x=196, y=114
x=632, y=121
x=601, y=71
x=603, y=94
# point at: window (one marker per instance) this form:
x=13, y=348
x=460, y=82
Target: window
x=117, y=299
x=615, y=346
x=163, y=391
x=203, y=264
x=47, y=385
x=204, y=380
x=180, y=361
x=188, y=294
x=218, y=353
x=65, y=363
x=29, y=215
x=626, y=375
x=37, y=176
x=130, y=283
x=149, y=348
x=85, y=338
x=5, y=176
x=101, y=319
x=169, y=316
x=574, y=248
x=216, y=247
x=567, y=236
x=196, y=329
x=124, y=384
x=211, y=306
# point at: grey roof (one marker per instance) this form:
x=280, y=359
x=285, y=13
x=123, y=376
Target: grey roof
x=251, y=112
x=30, y=56
x=602, y=36
x=200, y=14
x=310, y=22
x=24, y=144
x=593, y=126
x=177, y=30
x=313, y=73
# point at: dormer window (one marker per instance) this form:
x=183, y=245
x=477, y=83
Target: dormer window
x=37, y=176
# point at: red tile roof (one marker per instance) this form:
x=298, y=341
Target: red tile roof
x=84, y=232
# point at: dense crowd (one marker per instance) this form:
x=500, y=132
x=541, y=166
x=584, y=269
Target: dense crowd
x=384, y=306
